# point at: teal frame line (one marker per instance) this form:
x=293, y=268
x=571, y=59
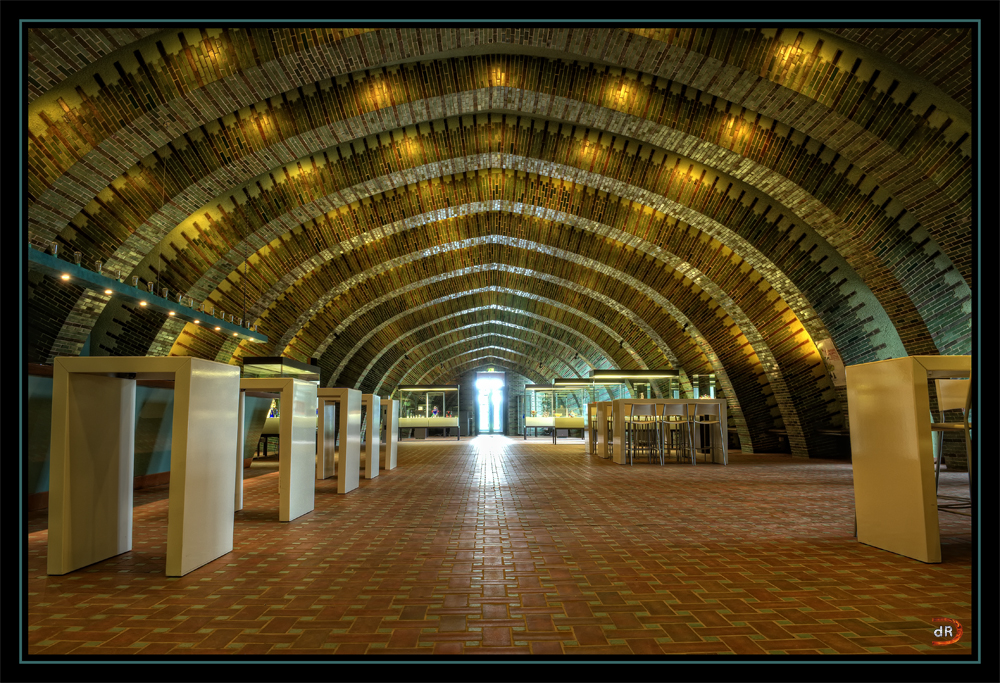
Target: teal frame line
x=54, y=266
x=977, y=230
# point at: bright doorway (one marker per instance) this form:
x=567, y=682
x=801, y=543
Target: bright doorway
x=490, y=386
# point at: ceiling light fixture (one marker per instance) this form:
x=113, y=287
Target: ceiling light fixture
x=65, y=276
x=142, y=303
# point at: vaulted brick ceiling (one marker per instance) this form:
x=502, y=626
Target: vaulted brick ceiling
x=405, y=204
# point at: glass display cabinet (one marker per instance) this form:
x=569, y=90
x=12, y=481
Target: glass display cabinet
x=703, y=386
x=426, y=408
x=642, y=381
x=538, y=412
x=570, y=403
x=280, y=367
x=564, y=405
x=596, y=392
x=263, y=367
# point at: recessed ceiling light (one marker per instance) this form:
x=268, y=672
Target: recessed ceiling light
x=65, y=276
x=108, y=291
x=235, y=335
x=142, y=303
x=217, y=329
x=196, y=322
x=170, y=313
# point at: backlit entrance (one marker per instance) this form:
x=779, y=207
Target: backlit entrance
x=490, y=387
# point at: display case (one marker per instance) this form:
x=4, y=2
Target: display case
x=423, y=408
x=703, y=386
x=538, y=411
x=563, y=405
x=645, y=384
x=279, y=367
x=585, y=392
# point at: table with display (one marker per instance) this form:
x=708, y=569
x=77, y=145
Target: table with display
x=602, y=440
x=421, y=425
x=567, y=423
x=888, y=405
x=389, y=447
x=345, y=460
x=296, y=443
x=532, y=422
x=620, y=414
x=92, y=459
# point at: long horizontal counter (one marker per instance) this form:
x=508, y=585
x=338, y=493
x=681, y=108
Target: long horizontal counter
x=432, y=422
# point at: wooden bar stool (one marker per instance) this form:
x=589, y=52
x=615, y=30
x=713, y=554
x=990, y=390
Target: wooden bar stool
x=953, y=394
x=675, y=430
x=714, y=411
x=638, y=428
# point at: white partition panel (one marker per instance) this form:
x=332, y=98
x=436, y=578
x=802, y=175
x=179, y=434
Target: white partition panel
x=90, y=491
x=373, y=425
x=391, y=446
x=240, y=419
x=296, y=442
x=200, y=527
x=348, y=455
x=891, y=454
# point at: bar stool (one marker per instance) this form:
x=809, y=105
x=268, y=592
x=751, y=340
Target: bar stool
x=675, y=430
x=953, y=394
x=642, y=418
x=713, y=410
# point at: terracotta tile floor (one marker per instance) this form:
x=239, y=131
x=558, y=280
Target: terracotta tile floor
x=498, y=546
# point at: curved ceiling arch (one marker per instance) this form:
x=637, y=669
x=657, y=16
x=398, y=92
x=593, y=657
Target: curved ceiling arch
x=671, y=261
x=818, y=330
x=478, y=292
x=842, y=158
x=768, y=363
x=555, y=362
x=597, y=324
x=498, y=352
x=455, y=371
x=238, y=105
x=717, y=368
x=883, y=336
x=583, y=358
x=52, y=66
x=661, y=346
x=744, y=324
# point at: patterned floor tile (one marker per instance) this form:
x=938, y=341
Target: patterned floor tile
x=502, y=547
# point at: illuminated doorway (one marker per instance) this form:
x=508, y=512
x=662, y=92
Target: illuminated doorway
x=490, y=386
